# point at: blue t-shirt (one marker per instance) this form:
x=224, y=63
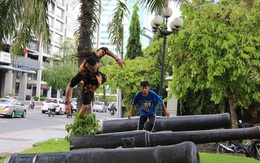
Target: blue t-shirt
x=147, y=103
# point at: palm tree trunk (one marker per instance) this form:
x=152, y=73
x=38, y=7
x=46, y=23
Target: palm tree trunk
x=86, y=32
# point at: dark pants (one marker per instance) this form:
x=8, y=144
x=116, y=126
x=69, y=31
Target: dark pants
x=87, y=97
x=150, y=124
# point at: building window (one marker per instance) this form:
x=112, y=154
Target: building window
x=56, y=50
x=59, y=12
x=34, y=45
x=59, y=25
x=70, y=22
x=50, y=21
x=57, y=38
x=69, y=34
x=60, y=1
x=32, y=76
x=50, y=8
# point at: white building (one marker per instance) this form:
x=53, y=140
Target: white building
x=101, y=36
x=24, y=75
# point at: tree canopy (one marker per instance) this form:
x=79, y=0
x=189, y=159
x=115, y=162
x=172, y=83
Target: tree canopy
x=128, y=78
x=218, y=49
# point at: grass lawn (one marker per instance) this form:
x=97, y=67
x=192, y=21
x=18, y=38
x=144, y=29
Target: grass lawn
x=61, y=145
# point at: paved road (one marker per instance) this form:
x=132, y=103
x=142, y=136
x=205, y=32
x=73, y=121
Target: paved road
x=18, y=141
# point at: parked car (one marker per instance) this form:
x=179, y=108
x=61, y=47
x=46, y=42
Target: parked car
x=99, y=107
x=74, y=103
x=12, y=107
x=59, y=104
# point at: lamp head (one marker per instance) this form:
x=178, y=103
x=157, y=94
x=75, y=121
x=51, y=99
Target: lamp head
x=176, y=23
x=157, y=20
x=167, y=12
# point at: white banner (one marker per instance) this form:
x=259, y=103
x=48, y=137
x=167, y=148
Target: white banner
x=5, y=57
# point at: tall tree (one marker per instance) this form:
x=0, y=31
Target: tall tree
x=137, y=69
x=134, y=47
x=88, y=19
x=22, y=21
x=226, y=58
x=54, y=74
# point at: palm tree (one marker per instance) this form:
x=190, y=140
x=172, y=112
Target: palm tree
x=22, y=21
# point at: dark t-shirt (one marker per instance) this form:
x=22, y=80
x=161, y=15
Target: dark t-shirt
x=147, y=103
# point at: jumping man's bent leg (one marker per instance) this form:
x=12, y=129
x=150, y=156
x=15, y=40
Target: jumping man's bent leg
x=86, y=100
x=83, y=110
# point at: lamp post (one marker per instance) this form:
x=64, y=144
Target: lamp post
x=175, y=26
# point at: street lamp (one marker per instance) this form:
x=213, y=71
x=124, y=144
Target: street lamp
x=175, y=26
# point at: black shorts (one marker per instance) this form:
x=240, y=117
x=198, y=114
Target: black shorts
x=87, y=97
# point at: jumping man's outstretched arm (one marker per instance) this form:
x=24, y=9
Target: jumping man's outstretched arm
x=104, y=50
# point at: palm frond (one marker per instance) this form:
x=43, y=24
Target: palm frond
x=154, y=5
x=22, y=24
x=116, y=27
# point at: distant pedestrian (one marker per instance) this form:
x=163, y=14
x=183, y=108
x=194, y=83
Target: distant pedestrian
x=147, y=100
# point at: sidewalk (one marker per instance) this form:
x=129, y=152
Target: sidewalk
x=17, y=142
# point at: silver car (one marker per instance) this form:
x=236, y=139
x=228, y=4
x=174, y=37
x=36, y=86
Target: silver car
x=12, y=107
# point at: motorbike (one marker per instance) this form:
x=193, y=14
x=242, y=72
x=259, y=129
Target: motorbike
x=112, y=111
x=250, y=149
x=31, y=105
x=51, y=110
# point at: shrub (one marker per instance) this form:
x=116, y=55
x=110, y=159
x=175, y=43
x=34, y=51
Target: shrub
x=36, y=98
x=82, y=127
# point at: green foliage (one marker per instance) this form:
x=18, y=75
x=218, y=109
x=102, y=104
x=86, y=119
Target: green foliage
x=23, y=21
x=106, y=60
x=115, y=26
x=59, y=74
x=110, y=98
x=217, y=158
x=52, y=145
x=82, y=127
x=42, y=98
x=218, y=49
x=155, y=51
x=197, y=102
x=36, y=98
x=128, y=78
x=62, y=67
x=134, y=47
x=154, y=5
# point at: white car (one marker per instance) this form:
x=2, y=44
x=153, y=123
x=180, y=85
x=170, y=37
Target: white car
x=99, y=107
x=74, y=104
x=58, y=103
